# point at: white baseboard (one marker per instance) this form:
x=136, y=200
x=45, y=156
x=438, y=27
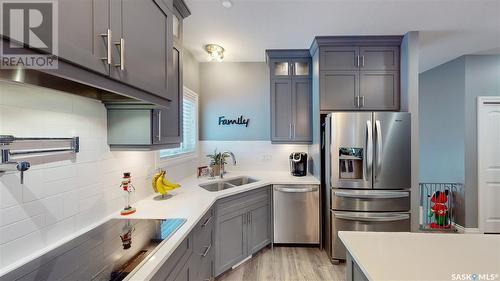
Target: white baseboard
x=462, y=229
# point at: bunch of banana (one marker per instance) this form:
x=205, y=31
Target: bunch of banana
x=162, y=185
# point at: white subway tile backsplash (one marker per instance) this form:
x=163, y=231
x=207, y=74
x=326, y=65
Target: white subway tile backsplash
x=11, y=192
x=63, y=197
x=20, y=228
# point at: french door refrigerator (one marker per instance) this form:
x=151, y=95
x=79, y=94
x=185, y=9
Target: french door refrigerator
x=367, y=174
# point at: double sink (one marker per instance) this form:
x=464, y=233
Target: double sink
x=229, y=183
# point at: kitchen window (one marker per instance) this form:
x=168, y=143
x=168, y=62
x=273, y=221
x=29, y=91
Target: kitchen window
x=189, y=127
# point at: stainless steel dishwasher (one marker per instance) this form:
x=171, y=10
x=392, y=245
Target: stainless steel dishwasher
x=296, y=214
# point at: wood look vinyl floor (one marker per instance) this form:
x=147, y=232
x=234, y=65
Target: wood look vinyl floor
x=287, y=263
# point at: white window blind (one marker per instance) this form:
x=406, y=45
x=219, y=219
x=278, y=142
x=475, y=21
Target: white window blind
x=189, y=126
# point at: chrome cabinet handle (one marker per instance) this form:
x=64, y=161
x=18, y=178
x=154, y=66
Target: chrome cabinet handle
x=121, y=65
x=290, y=131
x=206, y=250
x=357, y=61
x=159, y=126
x=372, y=217
x=362, y=98
x=372, y=194
x=293, y=131
x=356, y=101
x=369, y=150
x=109, y=37
x=378, y=141
x=362, y=61
x=206, y=222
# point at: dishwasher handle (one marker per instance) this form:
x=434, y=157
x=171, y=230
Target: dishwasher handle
x=296, y=189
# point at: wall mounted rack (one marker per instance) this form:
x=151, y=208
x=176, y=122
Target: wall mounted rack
x=15, y=152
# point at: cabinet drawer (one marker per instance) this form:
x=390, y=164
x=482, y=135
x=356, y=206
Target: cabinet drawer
x=176, y=261
x=242, y=201
x=203, y=233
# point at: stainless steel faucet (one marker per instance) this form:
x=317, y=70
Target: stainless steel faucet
x=233, y=158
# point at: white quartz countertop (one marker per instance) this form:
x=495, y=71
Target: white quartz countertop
x=191, y=202
x=424, y=256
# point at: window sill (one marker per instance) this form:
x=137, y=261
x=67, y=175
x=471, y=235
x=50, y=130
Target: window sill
x=177, y=159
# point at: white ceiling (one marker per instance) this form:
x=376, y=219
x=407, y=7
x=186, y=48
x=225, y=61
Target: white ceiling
x=449, y=28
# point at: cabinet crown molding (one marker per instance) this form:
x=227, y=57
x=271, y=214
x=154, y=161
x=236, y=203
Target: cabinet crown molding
x=368, y=40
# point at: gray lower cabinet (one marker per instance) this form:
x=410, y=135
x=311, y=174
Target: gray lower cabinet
x=193, y=258
x=243, y=227
x=358, y=73
x=291, y=96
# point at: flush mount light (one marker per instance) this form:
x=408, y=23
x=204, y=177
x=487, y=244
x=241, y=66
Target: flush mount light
x=215, y=52
x=227, y=3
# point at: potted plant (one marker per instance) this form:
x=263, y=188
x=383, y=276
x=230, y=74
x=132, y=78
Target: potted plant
x=217, y=161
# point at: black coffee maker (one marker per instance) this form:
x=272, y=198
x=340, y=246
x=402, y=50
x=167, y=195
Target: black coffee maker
x=298, y=164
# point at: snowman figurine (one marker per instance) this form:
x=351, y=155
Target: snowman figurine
x=129, y=188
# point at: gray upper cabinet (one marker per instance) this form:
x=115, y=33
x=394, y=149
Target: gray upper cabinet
x=83, y=33
x=164, y=124
x=142, y=45
x=290, y=79
x=380, y=90
x=301, y=110
x=243, y=227
x=339, y=58
x=379, y=58
x=339, y=89
x=281, y=111
x=358, y=73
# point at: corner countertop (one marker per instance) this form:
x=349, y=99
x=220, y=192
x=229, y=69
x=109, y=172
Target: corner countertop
x=191, y=202
x=424, y=256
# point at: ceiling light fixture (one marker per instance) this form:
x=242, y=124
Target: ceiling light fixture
x=215, y=52
x=227, y=3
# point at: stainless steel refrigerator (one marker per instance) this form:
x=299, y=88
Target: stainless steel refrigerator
x=367, y=174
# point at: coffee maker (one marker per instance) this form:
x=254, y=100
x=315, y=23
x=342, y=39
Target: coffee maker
x=298, y=164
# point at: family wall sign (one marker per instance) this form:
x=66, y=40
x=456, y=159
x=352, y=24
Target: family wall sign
x=223, y=121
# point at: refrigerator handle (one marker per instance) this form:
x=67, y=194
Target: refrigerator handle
x=369, y=150
x=378, y=153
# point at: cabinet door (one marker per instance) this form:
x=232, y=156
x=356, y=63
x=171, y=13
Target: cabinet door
x=81, y=23
x=281, y=110
x=339, y=90
x=280, y=68
x=379, y=90
x=171, y=117
x=379, y=58
x=231, y=240
x=183, y=274
x=145, y=59
x=301, y=110
x=301, y=67
x=259, y=227
x=339, y=58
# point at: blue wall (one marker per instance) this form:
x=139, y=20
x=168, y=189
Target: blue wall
x=448, y=124
x=231, y=90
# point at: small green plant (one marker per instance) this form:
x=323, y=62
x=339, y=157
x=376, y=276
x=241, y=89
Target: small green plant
x=217, y=158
